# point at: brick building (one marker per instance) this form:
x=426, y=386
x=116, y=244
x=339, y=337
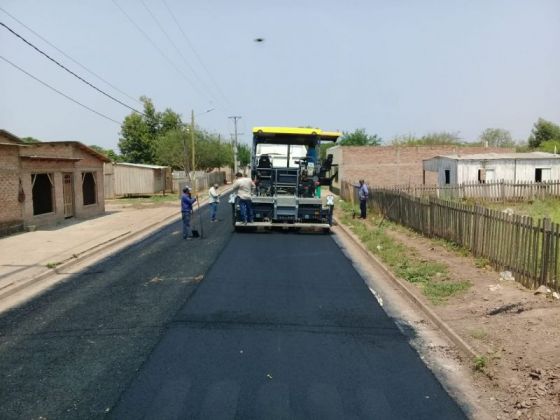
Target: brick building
x=44, y=183
x=393, y=165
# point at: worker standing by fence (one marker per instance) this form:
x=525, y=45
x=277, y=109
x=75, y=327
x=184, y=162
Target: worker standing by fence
x=363, y=196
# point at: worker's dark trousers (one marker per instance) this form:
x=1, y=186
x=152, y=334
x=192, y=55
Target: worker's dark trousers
x=363, y=207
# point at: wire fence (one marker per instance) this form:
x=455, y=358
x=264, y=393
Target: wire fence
x=527, y=247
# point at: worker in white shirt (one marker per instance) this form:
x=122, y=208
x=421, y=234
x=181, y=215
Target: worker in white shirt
x=244, y=186
x=213, y=199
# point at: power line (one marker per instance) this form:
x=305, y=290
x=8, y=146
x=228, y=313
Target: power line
x=59, y=92
x=67, y=69
x=70, y=58
x=191, y=46
x=157, y=48
x=160, y=26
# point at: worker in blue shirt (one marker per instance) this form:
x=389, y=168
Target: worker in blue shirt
x=187, y=202
x=363, y=196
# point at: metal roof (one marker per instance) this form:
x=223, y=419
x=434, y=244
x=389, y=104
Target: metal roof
x=500, y=156
x=140, y=165
x=297, y=131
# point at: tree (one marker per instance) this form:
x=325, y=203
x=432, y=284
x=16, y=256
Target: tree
x=543, y=131
x=110, y=153
x=359, y=138
x=30, y=140
x=141, y=133
x=435, y=138
x=173, y=149
x=496, y=137
x=243, y=154
x=136, y=142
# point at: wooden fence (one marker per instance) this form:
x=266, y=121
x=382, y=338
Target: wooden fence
x=492, y=191
x=526, y=247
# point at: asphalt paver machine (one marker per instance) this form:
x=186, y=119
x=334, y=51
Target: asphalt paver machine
x=288, y=174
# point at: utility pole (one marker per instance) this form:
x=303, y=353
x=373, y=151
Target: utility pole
x=192, y=141
x=235, y=118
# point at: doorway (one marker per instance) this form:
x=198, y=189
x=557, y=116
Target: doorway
x=68, y=194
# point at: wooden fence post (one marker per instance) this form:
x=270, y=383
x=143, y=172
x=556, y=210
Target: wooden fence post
x=545, y=251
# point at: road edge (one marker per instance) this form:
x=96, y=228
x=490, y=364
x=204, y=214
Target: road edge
x=440, y=323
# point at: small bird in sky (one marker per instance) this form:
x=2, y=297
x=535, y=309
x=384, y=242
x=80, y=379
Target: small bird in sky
x=259, y=40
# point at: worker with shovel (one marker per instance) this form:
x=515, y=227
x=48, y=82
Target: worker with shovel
x=187, y=202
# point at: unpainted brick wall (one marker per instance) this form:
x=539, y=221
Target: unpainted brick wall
x=10, y=207
x=396, y=165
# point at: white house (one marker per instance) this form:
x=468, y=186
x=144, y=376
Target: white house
x=489, y=167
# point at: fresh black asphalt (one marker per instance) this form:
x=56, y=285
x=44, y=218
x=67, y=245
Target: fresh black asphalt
x=281, y=326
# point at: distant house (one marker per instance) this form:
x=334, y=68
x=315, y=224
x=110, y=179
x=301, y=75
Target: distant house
x=385, y=166
x=44, y=183
x=489, y=167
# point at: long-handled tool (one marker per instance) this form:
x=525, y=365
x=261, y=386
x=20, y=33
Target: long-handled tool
x=199, y=218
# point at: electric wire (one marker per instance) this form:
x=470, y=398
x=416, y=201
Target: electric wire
x=59, y=92
x=191, y=46
x=193, y=85
x=69, y=57
x=67, y=69
x=162, y=29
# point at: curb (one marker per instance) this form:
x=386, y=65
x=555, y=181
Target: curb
x=92, y=251
x=440, y=323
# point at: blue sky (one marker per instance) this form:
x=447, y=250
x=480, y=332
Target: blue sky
x=393, y=67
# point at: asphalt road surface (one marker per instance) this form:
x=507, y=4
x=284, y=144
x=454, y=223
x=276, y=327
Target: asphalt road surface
x=243, y=325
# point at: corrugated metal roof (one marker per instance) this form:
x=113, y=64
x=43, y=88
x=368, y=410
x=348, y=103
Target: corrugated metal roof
x=140, y=165
x=501, y=156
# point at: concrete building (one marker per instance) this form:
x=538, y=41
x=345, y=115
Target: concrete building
x=384, y=166
x=44, y=183
x=490, y=167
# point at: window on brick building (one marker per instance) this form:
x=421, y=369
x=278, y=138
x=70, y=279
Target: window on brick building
x=88, y=188
x=43, y=192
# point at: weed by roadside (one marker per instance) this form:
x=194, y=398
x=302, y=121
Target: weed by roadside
x=431, y=277
x=52, y=264
x=147, y=199
x=478, y=334
x=479, y=363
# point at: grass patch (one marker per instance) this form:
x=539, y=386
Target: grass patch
x=478, y=334
x=148, y=199
x=481, y=262
x=440, y=292
x=537, y=209
x=52, y=264
x=452, y=247
x=430, y=276
x=480, y=363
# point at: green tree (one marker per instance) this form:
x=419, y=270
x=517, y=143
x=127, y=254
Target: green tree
x=543, y=131
x=243, y=154
x=136, y=143
x=435, y=138
x=140, y=134
x=110, y=153
x=359, y=138
x=550, y=146
x=30, y=140
x=496, y=137
x=173, y=149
